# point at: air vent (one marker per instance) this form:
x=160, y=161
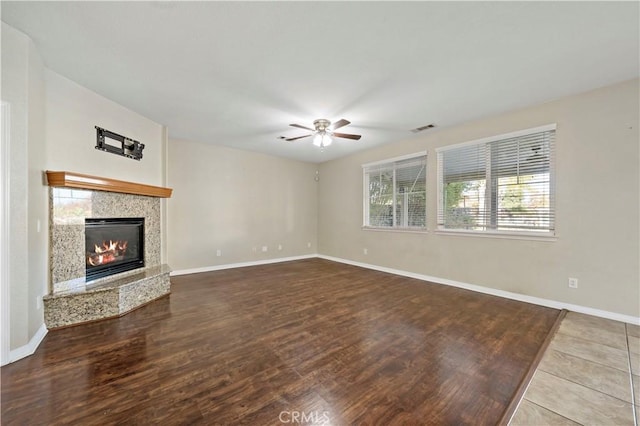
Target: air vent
x=420, y=129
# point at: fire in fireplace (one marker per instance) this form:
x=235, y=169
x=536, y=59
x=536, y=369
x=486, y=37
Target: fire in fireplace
x=113, y=245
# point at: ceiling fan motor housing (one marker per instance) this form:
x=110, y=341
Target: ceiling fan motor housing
x=321, y=124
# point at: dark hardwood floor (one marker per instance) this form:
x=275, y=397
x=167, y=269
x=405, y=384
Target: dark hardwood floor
x=307, y=340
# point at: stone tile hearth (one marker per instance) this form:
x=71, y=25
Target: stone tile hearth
x=113, y=297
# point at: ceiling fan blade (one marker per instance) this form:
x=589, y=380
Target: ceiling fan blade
x=340, y=123
x=296, y=138
x=347, y=136
x=302, y=127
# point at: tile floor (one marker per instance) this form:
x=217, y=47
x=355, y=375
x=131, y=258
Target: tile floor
x=589, y=375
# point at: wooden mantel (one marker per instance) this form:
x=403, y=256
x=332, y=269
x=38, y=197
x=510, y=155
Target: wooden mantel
x=96, y=183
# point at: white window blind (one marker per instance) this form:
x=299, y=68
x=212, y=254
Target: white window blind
x=395, y=193
x=499, y=184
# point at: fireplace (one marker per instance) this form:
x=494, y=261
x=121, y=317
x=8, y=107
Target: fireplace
x=86, y=247
x=113, y=245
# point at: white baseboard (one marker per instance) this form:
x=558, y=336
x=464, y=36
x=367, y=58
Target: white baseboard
x=494, y=292
x=29, y=348
x=240, y=265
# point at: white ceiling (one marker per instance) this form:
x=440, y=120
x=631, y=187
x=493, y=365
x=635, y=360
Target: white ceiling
x=238, y=73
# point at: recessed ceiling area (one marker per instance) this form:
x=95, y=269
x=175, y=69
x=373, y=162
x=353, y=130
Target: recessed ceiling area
x=239, y=73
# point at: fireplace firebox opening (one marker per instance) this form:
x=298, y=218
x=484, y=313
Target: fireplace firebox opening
x=113, y=245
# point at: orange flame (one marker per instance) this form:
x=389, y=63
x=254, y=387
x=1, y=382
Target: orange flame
x=107, y=252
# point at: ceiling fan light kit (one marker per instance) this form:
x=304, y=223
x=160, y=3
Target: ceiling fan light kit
x=322, y=140
x=323, y=132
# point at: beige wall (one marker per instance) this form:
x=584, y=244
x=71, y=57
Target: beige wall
x=237, y=201
x=73, y=111
x=597, y=209
x=23, y=90
x=38, y=200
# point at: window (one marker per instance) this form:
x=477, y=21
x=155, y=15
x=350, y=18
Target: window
x=395, y=193
x=502, y=184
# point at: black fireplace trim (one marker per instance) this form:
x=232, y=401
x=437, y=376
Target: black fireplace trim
x=108, y=269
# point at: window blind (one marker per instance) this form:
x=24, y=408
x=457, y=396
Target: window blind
x=500, y=184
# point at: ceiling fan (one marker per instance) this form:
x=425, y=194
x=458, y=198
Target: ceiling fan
x=324, y=132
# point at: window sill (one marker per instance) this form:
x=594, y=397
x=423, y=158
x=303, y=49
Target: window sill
x=401, y=230
x=546, y=237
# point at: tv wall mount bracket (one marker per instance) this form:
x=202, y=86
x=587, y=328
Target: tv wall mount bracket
x=118, y=144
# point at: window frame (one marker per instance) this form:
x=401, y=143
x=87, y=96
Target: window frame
x=366, y=194
x=539, y=235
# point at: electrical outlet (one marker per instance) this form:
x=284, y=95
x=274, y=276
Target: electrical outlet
x=365, y=251
x=218, y=252
x=265, y=248
x=279, y=246
x=308, y=245
x=573, y=283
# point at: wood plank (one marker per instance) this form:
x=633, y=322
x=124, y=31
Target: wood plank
x=242, y=346
x=66, y=179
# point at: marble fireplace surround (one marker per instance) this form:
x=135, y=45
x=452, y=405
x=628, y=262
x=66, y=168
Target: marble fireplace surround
x=74, y=197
